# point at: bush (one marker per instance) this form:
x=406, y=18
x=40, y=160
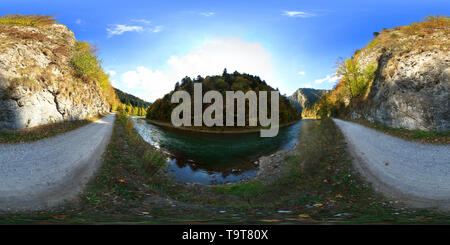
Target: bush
x=27, y=20
x=87, y=66
x=85, y=63
x=355, y=79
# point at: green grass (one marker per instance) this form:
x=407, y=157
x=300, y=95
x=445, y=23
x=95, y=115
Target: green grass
x=430, y=137
x=129, y=163
x=250, y=189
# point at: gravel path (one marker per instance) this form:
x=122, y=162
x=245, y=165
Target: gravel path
x=42, y=174
x=414, y=173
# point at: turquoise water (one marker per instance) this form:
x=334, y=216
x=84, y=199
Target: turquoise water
x=215, y=158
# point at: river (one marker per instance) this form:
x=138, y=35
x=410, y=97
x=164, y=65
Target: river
x=215, y=158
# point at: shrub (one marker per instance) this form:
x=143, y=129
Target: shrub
x=428, y=25
x=27, y=20
x=153, y=161
x=129, y=126
x=373, y=43
x=14, y=33
x=354, y=78
x=84, y=61
x=88, y=67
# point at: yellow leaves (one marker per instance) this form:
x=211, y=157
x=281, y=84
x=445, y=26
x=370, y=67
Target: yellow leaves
x=339, y=196
x=122, y=181
x=304, y=216
x=145, y=213
x=270, y=220
x=27, y=20
x=60, y=216
x=318, y=205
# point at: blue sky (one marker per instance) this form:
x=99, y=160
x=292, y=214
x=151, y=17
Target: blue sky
x=147, y=46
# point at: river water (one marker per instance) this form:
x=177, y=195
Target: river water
x=215, y=158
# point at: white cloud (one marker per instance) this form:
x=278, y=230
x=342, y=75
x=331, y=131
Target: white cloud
x=151, y=84
x=115, y=83
x=207, y=14
x=209, y=59
x=157, y=29
x=301, y=73
x=143, y=21
x=308, y=85
x=79, y=21
x=300, y=14
x=120, y=29
x=219, y=53
x=332, y=78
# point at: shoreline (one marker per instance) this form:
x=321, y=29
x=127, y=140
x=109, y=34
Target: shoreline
x=237, y=131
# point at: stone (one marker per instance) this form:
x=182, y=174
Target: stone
x=410, y=90
x=36, y=82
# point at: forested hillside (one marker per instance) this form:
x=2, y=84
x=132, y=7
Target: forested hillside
x=162, y=108
x=131, y=104
x=129, y=99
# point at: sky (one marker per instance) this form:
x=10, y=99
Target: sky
x=147, y=46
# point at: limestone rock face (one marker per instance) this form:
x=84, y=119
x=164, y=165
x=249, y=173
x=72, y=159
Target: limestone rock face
x=411, y=88
x=305, y=97
x=37, y=81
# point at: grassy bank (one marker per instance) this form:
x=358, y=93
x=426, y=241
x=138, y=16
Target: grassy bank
x=425, y=137
x=43, y=131
x=317, y=185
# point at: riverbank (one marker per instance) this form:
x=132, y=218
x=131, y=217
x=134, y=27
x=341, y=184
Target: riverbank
x=270, y=166
x=211, y=130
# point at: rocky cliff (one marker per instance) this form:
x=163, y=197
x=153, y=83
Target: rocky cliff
x=411, y=88
x=410, y=84
x=305, y=97
x=38, y=82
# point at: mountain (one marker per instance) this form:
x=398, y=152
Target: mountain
x=129, y=99
x=305, y=97
x=162, y=108
x=46, y=75
x=400, y=79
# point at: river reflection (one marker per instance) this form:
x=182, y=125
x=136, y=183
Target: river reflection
x=215, y=158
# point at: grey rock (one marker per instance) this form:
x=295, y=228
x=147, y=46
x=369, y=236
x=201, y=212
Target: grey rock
x=36, y=82
x=409, y=91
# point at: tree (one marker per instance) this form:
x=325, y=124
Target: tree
x=354, y=78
